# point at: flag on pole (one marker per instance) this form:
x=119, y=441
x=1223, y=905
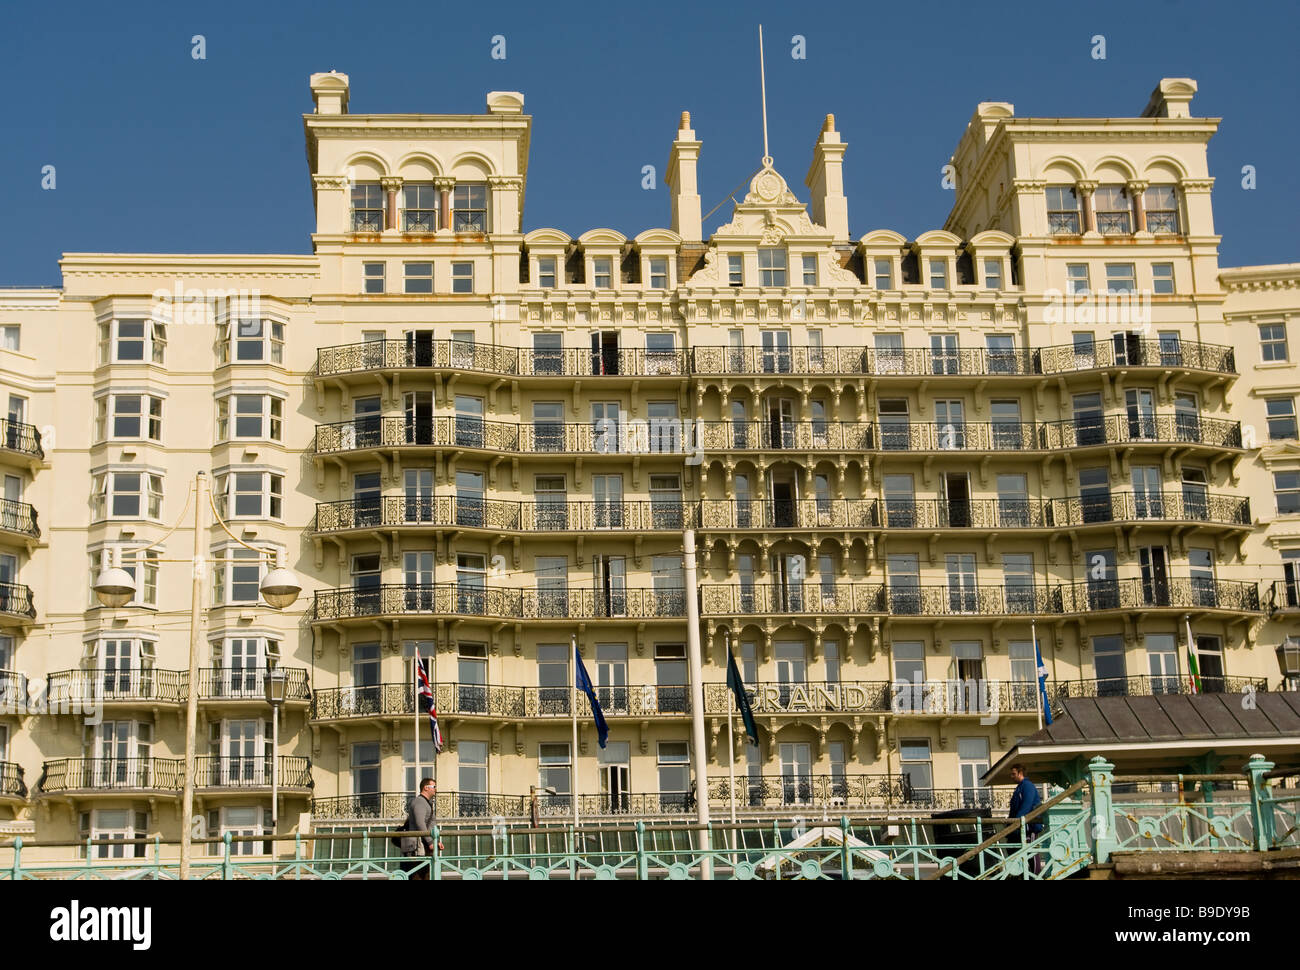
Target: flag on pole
x=584, y=685
x=742, y=700
x=1193, y=668
x=426, y=701
x=1042, y=684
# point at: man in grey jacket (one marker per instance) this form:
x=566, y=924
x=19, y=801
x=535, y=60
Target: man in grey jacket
x=419, y=818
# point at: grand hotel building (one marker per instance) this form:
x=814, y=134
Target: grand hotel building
x=897, y=458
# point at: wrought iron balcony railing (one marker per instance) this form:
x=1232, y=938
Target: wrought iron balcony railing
x=498, y=602
x=457, y=804
x=499, y=701
x=759, y=599
x=13, y=692
x=385, y=355
x=1131, y=351
x=392, y=511
x=1149, y=685
x=11, y=780
x=18, y=518
x=249, y=683
x=252, y=771
x=1112, y=429
x=604, y=437
x=16, y=600
x=112, y=774
x=734, y=435
x=1283, y=594
x=803, y=788
x=22, y=438
x=129, y=684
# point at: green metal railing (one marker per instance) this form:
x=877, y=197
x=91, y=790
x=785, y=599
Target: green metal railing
x=1084, y=825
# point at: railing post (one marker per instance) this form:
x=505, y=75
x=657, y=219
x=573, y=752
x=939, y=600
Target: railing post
x=1102, y=813
x=642, y=866
x=846, y=856
x=437, y=857
x=365, y=847
x=16, y=870
x=1262, y=822
x=225, y=861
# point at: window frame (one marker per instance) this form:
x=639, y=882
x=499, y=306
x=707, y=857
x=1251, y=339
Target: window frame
x=371, y=205
x=1273, y=341
x=269, y=341
x=1293, y=491
x=413, y=282
x=777, y=273
x=1159, y=279
x=1286, y=419
x=430, y=212
x=149, y=417
x=148, y=495
x=271, y=417
x=462, y=282
x=368, y=278
x=1077, y=211
x=463, y=197
x=270, y=492
x=1112, y=279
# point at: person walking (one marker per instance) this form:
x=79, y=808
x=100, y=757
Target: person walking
x=419, y=818
x=1023, y=801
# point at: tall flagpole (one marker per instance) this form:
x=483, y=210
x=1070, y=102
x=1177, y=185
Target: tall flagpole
x=433, y=703
x=731, y=747
x=573, y=690
x=1038, y=681
x=762, y=77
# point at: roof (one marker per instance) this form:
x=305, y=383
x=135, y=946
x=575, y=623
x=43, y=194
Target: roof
x=1164, y=731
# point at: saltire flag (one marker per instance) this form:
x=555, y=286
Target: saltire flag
x=584, y=685
x=1193, y=670
x=742, y=700
x=426, y=701
x=1042, y=686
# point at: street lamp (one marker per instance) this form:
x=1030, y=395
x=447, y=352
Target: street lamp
x=275, y=691
x=1288, y=658
x=115, y=587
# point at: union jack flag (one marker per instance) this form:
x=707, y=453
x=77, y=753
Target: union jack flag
x=425, y=693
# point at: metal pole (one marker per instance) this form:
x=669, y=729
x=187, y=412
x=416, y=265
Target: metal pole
x=573, y=690
x=1033, y=633
x=693, y=653
x=275, y=771
x=762, y=83
x=731, y=744
x=192, y=691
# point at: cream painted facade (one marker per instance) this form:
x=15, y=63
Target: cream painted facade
x=896, y=454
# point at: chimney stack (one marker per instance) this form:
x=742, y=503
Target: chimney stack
x=681, y=180
x=330, y=92
x=826, y=180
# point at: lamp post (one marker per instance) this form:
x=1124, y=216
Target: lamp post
x=1288, y=659
x=275, y=687
x=115, y=587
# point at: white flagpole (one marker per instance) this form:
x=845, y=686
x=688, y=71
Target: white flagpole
x=415, y=697
x=762, y=80
x=573, y=688
x=433, y=704
x=1038, y=680
x=731, y=746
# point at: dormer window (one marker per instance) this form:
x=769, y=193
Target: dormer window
x=938, y=274
x=658, y=273
x=1114, y=214
x=420, y=209
x=736, y=270
x=367, y=207
x=810, y=271
x=546, y=272
x=602, y=271
x=771, y=266
x=469, y=207
x=884, y=273
x=1062, y=210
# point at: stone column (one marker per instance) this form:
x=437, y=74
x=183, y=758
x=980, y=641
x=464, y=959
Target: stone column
x=444, y=187
x=391, y=184
x=1085, y=190
x=1137, y=192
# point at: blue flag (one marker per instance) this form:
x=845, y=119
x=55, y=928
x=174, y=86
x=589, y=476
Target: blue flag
x=1042, y=686
x=742, y=699
x=584, y=685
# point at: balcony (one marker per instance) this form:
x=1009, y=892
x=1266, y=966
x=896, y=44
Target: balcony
x=1152, y=686
x=251, y=772
x=1141, y=429
x=127, y=686
x=476, y=805
x=801, y=788
x=455, y=355
x=1283, y=596
x=16, y=604
x=248, y=685
x=462, y=432
x=498, y=701
x=852, y=696
x=12, y=787
x=20, y=443
x=96, y=775
x=19, y=519
x=794, y=598
x=1139, y=352
x=497, y=515
x=495, y=602
x=734, y=435
x=13, y=692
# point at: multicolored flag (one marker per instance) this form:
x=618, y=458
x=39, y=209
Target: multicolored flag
x=426, y=701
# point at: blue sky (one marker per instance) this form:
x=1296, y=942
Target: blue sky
x=155, y=151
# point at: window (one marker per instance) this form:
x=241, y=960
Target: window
x=546, y=272
x=993, y=274
x=146, y=592
x=420, y=207
x=1076, y=279
x=367, y=207
x=134, y=416
x=553, y=680
x=972, y=762
x=1018, y=579
x=1281, y=418
x=462, y=277
x=661, y=353
x=670, y=678
x=735, y=270
x=473, y=777
x=1001, y=353
x=419, y=277
x=889, y=353
x=900, y=502
x=128, y=495
x=119, y=825
x=135, y=341
x=260, y=340
x=9, y=337
x=236, y=821
x=884, y=273
x=553, y=772
x=236, y=575
x=469, y=208
x=1062, y=210
x=938, y=274
x=1114, y=213
x=373, y=276
x=1162, y=278
x=256, y=416
x=832, y=650
x=1286, y=486
x=548, y=353
x=250, y=495
x=1024, y=665
x=771, y=266
x=674, y=775
x=1162, y=208
x=810, y=271
x=943, y=353
x=602, y=272
x=914, y=765
x=1272, y=340
x=658, y=273
x=962, y=594
x=894, y=431
x=1120, y=278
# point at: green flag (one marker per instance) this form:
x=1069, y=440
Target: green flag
x=1193, y=670
x=742, y=702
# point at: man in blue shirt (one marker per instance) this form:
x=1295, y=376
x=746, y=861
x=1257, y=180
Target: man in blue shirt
x=1023, y=801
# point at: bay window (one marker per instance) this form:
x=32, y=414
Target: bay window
x=250, y=495
x=255, y=416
